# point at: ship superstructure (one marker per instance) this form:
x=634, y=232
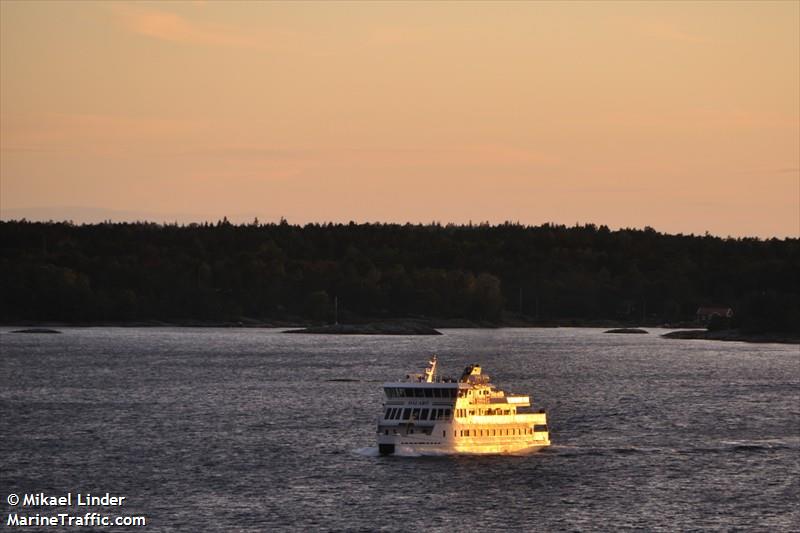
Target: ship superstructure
x=428, y=413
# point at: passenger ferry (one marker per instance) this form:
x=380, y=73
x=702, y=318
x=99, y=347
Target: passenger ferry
x=426, y=413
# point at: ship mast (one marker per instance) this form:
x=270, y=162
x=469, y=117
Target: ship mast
x=430, y=372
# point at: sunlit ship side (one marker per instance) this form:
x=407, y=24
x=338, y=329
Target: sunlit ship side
x=426, y=413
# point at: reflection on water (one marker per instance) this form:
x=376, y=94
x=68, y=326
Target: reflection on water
x=254, y=430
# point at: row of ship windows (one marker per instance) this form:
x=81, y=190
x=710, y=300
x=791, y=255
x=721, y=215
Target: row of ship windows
x=488, y=432
x=496, y=432
x=399, y=413
x=411, y=392
x=463, y=412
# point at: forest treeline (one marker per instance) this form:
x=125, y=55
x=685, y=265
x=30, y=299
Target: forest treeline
x=490, y=273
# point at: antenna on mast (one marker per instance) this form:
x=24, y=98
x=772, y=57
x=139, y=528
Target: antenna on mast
x=430, y=372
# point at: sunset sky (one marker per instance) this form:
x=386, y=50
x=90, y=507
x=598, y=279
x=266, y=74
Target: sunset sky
x=677, y=115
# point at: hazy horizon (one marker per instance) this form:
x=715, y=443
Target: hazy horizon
x=684, y=117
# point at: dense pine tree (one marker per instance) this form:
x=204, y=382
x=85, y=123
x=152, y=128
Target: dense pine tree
x=135, y=271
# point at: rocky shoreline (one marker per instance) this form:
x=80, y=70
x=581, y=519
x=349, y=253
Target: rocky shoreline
x=733, y=335
x=414, y=326
x=374, y=328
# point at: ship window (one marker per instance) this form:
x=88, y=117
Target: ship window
x=471, y=412
x=415, y=414
x=389, y=393
x=444, y=433
x=409, y=392
x=428, y=393
x=540, y=427
x=419, y=393
x=423, y=415
x=399, y=393
x=436, y=393
x=447, y=413
x=406, y=414
x=386, y=415
x=398, y=413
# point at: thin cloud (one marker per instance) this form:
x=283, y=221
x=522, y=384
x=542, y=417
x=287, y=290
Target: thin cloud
x=168, y=26
x=662, y=30
x=668, y=32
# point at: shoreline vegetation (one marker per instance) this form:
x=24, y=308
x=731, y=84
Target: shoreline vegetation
x=393, y=277
x=372, y=328
x=423, y=327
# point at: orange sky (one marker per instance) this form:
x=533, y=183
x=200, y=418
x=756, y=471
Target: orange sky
x=681, y=116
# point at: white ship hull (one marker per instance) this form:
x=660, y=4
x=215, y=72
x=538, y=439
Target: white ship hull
x=457, y=439
x=427, y=415
x=417, y=446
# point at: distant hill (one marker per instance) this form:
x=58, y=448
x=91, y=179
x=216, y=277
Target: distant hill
x=507, y=273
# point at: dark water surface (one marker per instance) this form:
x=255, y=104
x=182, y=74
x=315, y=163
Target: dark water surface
x=253, y=430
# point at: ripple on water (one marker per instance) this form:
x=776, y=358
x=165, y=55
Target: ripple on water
x=254, y=430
